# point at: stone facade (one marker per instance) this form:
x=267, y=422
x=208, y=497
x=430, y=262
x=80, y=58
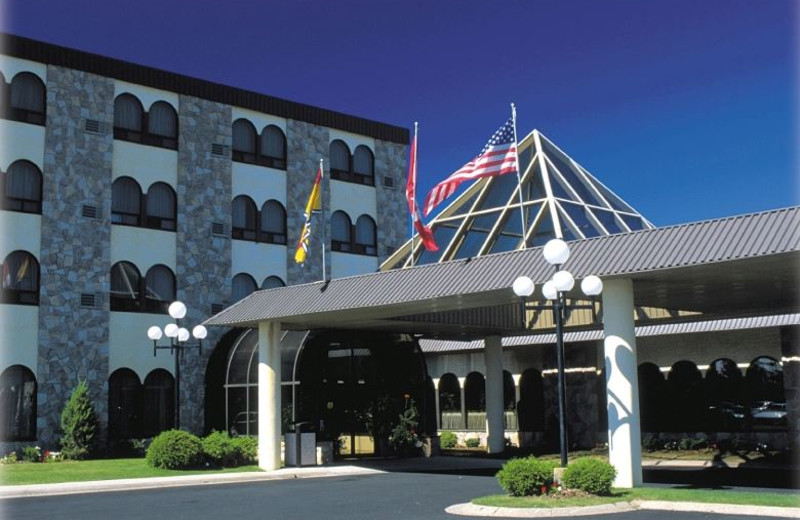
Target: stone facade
x=204, y=259
x=390, y=161
x=75, y=250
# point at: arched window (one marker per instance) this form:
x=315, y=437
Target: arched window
x=509, y=402
x=128, y=116
x=475, y=401
x=20, y=278
x=724, y=384
x=765, y=393
x=23, y=188
x=273, y=223
x=366, y=237
x=244, y=218
x=531, y=403
x=125, y=287
x=273, y=148
x=126, y=202
x=686, y=397
x=271, y=282
x=27, y=98
x=124, y=404
x=17, y=404
x=340, y=160
x=161, y=207
x=158, y=410
x=159, y=289
x=341, y=233
x=450, y=403
x=651, y=397
x=363, y=165
x=244, y=141
x=162, y=124
x=243, y=285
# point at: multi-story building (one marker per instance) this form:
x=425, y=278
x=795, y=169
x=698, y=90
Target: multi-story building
x=126, y=188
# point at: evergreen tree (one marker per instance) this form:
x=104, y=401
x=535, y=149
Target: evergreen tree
x=78, y=424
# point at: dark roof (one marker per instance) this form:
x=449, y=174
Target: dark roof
x=51, y=54
x=737, y=264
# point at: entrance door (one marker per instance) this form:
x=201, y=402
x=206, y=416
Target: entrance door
x=350, y=381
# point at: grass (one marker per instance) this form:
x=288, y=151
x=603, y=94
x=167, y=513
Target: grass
x=84, y=470
x=649, y=493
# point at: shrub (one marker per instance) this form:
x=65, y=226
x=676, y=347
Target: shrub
x=591, y=475
x=9, y=458
x=525, y=477
x=31, y=454
x=473, y=442
x=404, y=439
x=79, y=424
x=174, y=449
x=246, y=449
x=448, y=440
x=220, y=450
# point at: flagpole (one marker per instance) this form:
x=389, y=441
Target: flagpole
x=519, y=176
x=411, y=215
x=322, y=224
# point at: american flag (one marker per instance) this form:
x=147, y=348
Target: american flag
x=498, y=157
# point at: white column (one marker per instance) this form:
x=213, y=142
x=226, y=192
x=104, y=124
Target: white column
x=269, y=395
x=436, y=402
x=461, y=382
x=493, y=358
x=624, y=433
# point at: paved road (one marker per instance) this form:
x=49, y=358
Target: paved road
x=400, y=496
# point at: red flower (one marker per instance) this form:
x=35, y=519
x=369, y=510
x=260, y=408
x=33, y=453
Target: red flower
x=544, y=490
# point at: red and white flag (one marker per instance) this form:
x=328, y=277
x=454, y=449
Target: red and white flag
x=498, y=157
x=424, y=231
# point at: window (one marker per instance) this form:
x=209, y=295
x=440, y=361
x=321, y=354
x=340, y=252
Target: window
x=243, y=285
x=273, y=223
x=365, y=236
x=340, y=232
x=244, y=218
x=124, y=404
x=158, y=127
x=358, y=169
x=157, y=210
x=17, y=404
x=158, y=410
x=22, y=188
x=130, y=292
x=26, y=99
x=161, y=212
x=363, y=165
x=271, y=282
x=273, y=148
x=20, y=279
x=126, y=202
x=244, y=141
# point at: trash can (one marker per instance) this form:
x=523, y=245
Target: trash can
x=301, y=446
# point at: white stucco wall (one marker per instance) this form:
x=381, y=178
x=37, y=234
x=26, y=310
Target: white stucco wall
x=259, y=119
x=128, y=346
x=259, y=183
x=353, y=199
x=351, y=140
x=143, y=247
x=346, y=264
x=20, y=231
x=258, y=260
x=146, y=164
x=21, y=141
x=146, y=95
x=20, y=336
x=11, y=66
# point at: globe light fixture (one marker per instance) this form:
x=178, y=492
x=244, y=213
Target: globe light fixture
x=178, y=342
x=549, y=290
x=523, y=287
x=556, y=252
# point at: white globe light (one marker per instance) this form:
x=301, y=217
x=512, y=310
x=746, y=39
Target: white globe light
x=177, y=310
x=556, y=252
x=523, y=286
x=171, y=330
x=549, y=290
x=592, y=285
x=183, y=334
x=154, y=333
x=563, y=281
x=199, y=332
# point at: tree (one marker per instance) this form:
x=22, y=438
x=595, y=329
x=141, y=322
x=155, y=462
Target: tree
x=78, y=424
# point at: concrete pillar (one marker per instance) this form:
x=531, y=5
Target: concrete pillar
x=517, y=389
x=461, y=382
x=493, y=358
x=269, y=395
x=624, y=433
x=436, y=402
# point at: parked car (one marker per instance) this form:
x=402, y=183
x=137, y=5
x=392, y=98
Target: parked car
x=769, y=413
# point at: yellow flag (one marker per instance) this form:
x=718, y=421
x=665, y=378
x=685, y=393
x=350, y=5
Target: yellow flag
x=314, y=204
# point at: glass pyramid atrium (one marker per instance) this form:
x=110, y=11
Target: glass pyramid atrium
x=559, y=199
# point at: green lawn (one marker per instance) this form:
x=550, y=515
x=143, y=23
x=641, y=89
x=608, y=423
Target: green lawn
x=106, y=469
x=648, y=493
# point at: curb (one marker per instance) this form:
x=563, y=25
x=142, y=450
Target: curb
x=470, y=509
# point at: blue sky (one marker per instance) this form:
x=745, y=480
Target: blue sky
x=687, y=109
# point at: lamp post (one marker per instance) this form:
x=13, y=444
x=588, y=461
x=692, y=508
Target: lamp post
x=556, y=252
x=178, y=337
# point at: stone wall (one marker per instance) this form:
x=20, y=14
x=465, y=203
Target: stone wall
x=391, y=162
x=75, y=250
x=203, y=259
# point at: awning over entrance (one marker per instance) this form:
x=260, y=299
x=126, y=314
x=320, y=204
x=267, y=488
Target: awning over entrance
x=745, y=265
